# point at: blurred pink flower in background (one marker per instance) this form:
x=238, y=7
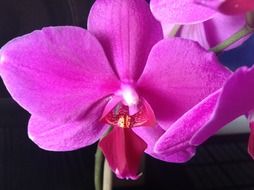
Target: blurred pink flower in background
x=200, y=19
x=236, y=99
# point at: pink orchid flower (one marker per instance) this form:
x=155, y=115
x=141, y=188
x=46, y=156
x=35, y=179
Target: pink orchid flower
x=199, y=22
x=236, y=99
x=76, y=83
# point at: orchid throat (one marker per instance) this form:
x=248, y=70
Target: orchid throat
x=130, y=111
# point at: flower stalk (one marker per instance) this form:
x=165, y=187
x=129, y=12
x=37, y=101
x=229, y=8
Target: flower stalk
x=98, y=169
x=246, y=30
x=100, y=182
x=107, y=177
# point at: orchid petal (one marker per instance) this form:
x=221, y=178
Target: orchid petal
x=214, y=31
x=222, y=27
x=181, y=156
x=151, y=134
x=73, y=135
x=178, y=75
x=177, y=137
x=57, y=72
x=122, y=28
x=180, y=12
x=213, y=4
x=237, y=96
x=123, y=150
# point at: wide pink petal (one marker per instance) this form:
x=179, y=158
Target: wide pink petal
x=151, y=135
x=178, y=75
x=177, y=137
x=56, y=72
x=123, y=150
x=180, y=11
x=236, y=99
x=127, y=31
x=55, y=136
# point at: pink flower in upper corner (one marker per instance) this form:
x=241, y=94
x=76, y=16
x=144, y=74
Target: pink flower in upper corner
x=236, y=99
x=200, y=19
x=76, y=83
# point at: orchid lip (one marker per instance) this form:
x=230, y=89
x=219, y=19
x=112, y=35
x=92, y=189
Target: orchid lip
x=120, y=117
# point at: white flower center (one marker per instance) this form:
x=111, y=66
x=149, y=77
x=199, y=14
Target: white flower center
x=129, y=95
x=2, y=59
x=130, y=98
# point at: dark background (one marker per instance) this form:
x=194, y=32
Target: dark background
x=221, y=163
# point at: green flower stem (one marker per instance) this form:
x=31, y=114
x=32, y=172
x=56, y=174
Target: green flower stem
x=107, y=177
x=246, y=30
x=98, y=169
x=99, y=158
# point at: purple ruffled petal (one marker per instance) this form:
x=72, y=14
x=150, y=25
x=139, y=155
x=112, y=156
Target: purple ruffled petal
x=236, y=99
x=127, y=31
x=57, y=73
